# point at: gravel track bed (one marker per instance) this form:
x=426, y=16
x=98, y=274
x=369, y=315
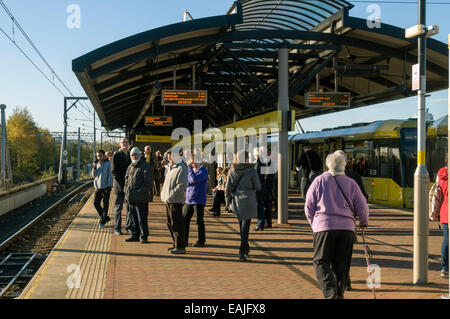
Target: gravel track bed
x=42, y=237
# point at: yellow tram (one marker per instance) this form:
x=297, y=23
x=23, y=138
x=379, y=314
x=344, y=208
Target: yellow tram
x=384, y=153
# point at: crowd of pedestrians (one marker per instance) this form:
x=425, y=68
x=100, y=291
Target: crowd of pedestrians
x=334, y=201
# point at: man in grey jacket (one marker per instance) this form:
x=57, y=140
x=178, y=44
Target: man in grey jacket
x=103, y=182
x=173, y=194
x=138, y=181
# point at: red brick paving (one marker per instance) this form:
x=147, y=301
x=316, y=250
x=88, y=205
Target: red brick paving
x=280, y=263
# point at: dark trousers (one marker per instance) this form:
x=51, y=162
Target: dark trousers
x=219, y=198
x=138, y=213
x=175, y=224
x=99, y=195
x=157, y=187
x=444, y=248
x=118, y=205
x=332, y=260
x=264, y=213
x=244, y=228
x=187, y=215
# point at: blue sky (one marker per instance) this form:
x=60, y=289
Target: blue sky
x=103, y=22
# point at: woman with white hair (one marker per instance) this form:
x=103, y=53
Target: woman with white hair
x=332, y=203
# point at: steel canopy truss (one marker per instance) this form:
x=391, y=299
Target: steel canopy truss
x=235, y=58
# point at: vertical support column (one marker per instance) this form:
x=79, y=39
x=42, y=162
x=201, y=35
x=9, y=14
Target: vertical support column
x=174, y=78
x=193, y=77
x=3, y=145
x=421, y=178
x=448, y=140
x=78, y=155
x=283, y=146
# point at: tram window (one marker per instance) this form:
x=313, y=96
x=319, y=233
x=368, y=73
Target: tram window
x=395, y=160
x=385, y=163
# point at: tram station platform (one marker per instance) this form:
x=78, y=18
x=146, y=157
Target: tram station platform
x=89, y=262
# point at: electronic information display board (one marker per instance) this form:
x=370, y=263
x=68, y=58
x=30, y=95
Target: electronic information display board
x=327, y=99
x=184, y=97
x=158, y=120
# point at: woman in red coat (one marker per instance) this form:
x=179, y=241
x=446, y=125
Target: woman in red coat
x=443, y=184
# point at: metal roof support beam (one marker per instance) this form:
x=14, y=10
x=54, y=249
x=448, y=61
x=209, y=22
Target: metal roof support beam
x=151, y=97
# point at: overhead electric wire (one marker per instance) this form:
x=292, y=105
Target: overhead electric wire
x=14, y=20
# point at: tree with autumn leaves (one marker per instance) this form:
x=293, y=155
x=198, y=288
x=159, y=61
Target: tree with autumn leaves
x=32, y=149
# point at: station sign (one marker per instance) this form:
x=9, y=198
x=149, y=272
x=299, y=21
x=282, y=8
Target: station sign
x=327, y=99
x=184, y=97
x=153, y=139
x=158, y=120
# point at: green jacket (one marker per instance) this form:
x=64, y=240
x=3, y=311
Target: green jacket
x=138, y=182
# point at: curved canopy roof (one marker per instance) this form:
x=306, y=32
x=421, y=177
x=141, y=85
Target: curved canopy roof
x=234, y=57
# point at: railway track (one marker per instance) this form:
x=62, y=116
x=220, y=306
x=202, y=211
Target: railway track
x=22, y=253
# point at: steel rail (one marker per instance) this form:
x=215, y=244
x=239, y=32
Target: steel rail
x=18, y=274
x=8, y=241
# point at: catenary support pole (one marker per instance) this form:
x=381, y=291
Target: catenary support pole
x=78, y=155
x=3, y=145
x=283, y=146
x=94, y=155
x=421, y=178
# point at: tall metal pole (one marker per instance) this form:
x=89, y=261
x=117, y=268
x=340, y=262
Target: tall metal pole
x=62, y=157
x=3, y=145
x=78, y=155
x=283, y=146
x=93, y=145
x=421, y=178
x=448, y=146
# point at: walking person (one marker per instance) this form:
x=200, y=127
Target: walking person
x=173, y=195
x=240, y=195
x=138, y=181
x=120, y=162
x=330, y=202
x=310, y=165
x=443, y=218
x=150, y=159
x=103, y=181
x=196, y=200
x=264, y=195
x=157, y=171
x=218, y=192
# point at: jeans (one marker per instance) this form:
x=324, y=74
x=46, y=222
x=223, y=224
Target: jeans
x=187, y=215
x=219, y=198
x=244, y=228
x=99, y=195
x=138, y=213
x=444, y=248
x=332, y=260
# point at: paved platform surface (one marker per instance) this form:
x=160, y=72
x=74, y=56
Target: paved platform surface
x=90, y=262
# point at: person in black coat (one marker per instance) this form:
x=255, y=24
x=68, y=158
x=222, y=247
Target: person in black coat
x=263, y=196
x=310, y=165
x=119, y=165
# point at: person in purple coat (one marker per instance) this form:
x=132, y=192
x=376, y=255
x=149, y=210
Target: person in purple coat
x=330, y=202
x=196, y=200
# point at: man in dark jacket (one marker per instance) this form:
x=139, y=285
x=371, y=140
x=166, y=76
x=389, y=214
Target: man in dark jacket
x=311, y=166
x=138, y=181
x=120, y=162
x=263, y=195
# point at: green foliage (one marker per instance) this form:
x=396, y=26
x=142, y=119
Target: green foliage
x=48, y=173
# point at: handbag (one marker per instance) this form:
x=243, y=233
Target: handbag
x=355, y=238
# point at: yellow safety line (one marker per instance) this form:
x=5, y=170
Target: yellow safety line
x=60, y=244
